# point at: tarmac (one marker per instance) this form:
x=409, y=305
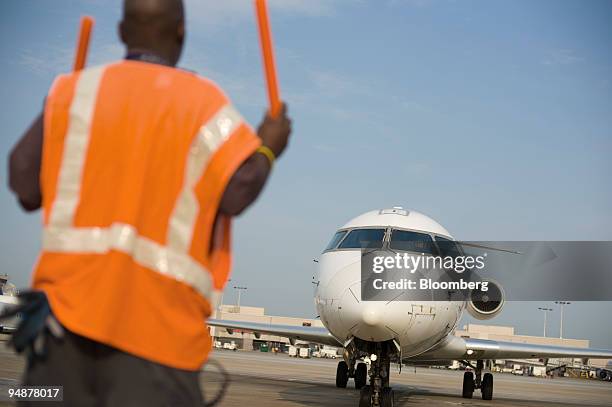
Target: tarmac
x=266, y=379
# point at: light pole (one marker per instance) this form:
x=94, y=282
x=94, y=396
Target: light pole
x=239, y=292
x=562, y=303
x=221, y=300
x=545, y=315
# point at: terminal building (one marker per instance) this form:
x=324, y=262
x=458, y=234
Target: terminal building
x=248, y=341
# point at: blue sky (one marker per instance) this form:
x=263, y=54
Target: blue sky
x=492, y=117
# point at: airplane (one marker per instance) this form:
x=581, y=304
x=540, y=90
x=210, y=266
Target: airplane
x=8, y=298
x=404, y=331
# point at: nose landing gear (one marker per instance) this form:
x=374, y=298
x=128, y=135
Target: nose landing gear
x=378, y=393
x=361, y=375
x=345, y=371
x=342, y=374
x=477, y=381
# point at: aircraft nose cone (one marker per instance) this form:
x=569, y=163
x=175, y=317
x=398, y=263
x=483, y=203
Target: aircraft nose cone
x=371, y=316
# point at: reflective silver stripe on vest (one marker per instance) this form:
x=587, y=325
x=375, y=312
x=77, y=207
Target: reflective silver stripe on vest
x=124, y=238
x=75, y=147
x=210, y=137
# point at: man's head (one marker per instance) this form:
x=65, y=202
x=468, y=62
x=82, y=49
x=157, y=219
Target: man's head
x=155, y=26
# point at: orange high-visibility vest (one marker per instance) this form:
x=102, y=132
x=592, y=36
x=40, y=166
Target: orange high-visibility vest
x=136, y=158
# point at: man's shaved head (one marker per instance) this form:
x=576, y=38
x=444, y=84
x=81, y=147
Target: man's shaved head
x=155, y=26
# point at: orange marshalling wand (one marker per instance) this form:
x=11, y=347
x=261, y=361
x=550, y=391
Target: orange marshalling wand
x=265, y=38
x=83, y=43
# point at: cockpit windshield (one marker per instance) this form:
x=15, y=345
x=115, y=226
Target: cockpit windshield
x=335, y=240
x=411, y=242
x=448, y=247
x=363, y=238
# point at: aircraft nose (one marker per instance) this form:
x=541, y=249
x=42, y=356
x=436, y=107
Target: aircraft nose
x=366, y=320
x=371, y=316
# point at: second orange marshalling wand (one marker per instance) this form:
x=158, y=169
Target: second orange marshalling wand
x=265, y=39
x=83, y=43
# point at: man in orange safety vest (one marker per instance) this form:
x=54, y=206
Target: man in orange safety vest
x=138, y=168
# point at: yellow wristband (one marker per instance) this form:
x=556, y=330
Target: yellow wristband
x=268, y=153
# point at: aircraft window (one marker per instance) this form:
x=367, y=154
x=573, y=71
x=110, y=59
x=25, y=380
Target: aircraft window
x=335, y=240
x=363, y=238
x=412, y=242
x=448, y=247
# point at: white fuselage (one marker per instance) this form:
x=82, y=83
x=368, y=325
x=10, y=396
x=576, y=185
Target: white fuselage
x=416, y=326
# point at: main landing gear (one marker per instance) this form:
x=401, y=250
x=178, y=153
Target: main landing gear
x=477, y=381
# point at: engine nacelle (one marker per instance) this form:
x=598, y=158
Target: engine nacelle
x=605, y=375
x=486, y=304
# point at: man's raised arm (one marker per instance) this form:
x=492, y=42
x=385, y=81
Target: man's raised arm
x=249, y=179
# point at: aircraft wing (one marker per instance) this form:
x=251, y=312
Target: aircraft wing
x=7, y=329
x=456, y=348
x=304, y=333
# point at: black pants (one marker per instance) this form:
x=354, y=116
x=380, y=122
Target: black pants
x=94, y=374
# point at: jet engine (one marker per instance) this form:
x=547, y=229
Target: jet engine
x=486, y=304
x=605, y=375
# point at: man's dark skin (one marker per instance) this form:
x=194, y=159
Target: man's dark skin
x=155, y=30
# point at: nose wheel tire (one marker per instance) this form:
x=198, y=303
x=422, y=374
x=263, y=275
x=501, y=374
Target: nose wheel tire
x=342, y=374
x=361, y=375
x=469, y=385
x=487, y=386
